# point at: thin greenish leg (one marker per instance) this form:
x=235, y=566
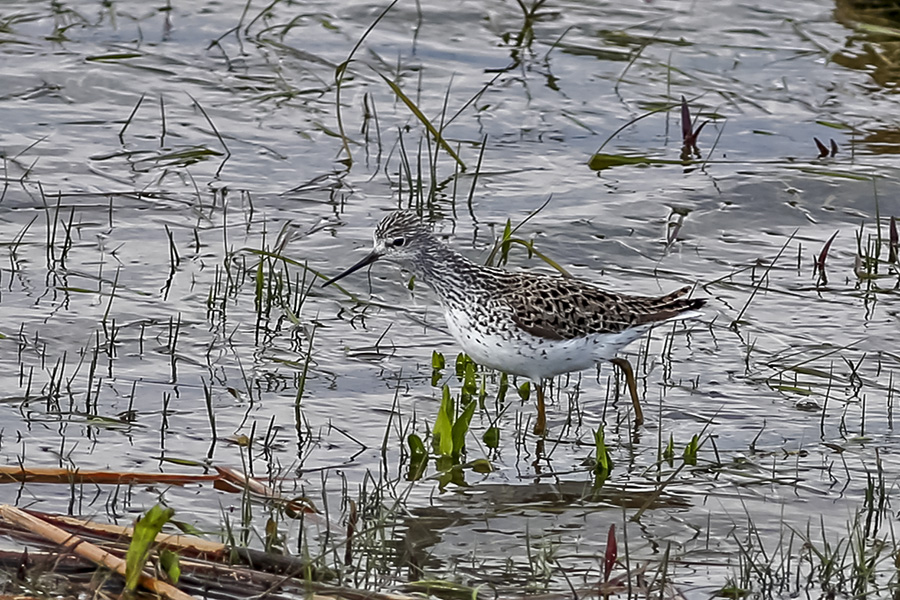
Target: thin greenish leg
x=626, y=369
x=540, y=425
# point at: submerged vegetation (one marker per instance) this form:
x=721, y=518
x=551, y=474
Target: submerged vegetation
x=170, y=363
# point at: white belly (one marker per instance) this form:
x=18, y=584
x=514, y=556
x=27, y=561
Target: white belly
x=533, y=357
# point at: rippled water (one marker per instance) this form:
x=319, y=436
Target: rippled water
x=150, y=152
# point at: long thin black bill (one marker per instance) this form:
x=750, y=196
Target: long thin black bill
x=368, y=260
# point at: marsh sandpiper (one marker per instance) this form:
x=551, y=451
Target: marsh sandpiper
x=527, y=324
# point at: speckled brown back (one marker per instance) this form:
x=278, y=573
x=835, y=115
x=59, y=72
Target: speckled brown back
x=558, y=309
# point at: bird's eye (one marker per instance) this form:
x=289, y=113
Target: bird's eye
x=399, y=242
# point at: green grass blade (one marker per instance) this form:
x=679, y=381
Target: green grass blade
x=424, y=120
x=339, y=73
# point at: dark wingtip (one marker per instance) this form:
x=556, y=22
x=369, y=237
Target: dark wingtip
x=672, y=309
x=686, y=304
x=675, y=300
x=696, y=303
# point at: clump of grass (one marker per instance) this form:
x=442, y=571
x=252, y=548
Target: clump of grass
x=858, y=564
x=451, y=425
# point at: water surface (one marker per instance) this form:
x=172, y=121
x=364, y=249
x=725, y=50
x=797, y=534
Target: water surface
x=151, y=151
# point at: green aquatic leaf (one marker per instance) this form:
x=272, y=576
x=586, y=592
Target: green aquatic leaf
x=502, y=387
x=417, y=450
x=146, y=529
x=169, y=562
x=443, y=426
x=187, y=528
x=437, y=366
x=669, y=452
x=690, y=451
x=481, y=465
x=461, y=428
x=525, y=390
x=491, y=437
x=470, y=384
x=461, y=361
x=601, y=161
x=603, y=463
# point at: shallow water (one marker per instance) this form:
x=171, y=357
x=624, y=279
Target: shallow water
x=149, y=151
